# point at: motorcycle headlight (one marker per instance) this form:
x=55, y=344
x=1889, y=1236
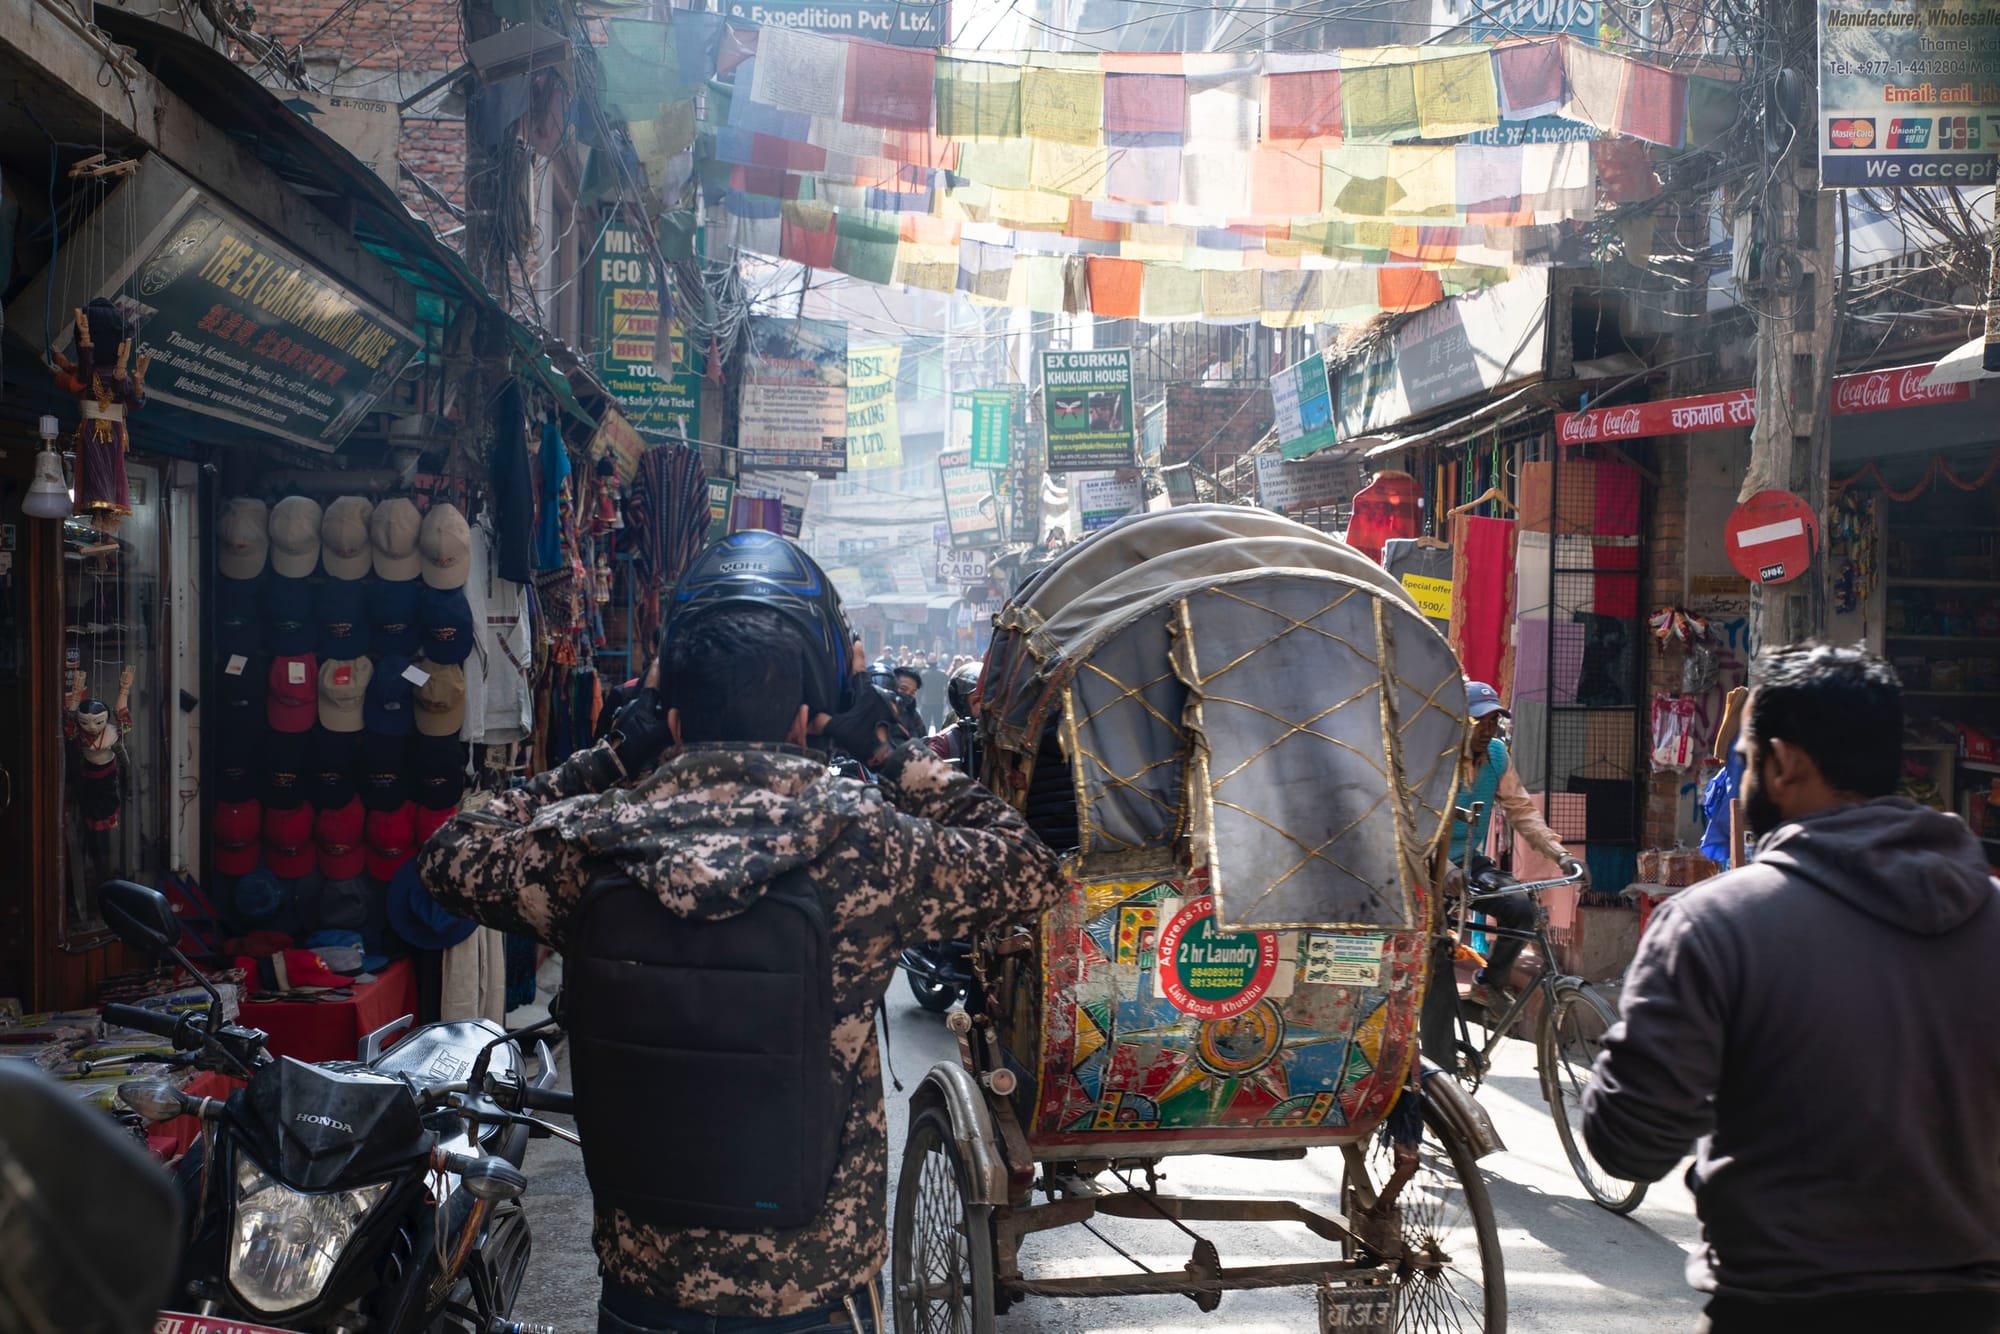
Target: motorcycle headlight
x=286, y=1243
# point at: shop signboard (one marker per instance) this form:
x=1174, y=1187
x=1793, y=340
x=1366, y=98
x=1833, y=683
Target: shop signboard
x=961, y=567
x=986, y=426
x=655, y=385
x=721, y=502
x=873, y=438
x=1087, y=409
x=792, y=490
x=1103, y=501
x=1863, y=391
x=1305, y=484
x=616, y=440
x=793, y=413
x=897, y=22
x=1180, y=483
x=1909, y=93
x=242, y=329
x=1302, y=408
x=970, y=506
x=1459, y=349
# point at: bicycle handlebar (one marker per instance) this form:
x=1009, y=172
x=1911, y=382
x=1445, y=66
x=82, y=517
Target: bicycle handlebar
x=1525, y=887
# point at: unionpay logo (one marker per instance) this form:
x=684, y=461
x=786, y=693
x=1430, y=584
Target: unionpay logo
x=1913, y=132
x=1851, y=132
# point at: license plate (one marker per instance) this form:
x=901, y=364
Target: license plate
x=177, y=1322
x=1357, y=1310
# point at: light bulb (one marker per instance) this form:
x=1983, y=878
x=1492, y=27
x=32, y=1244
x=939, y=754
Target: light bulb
x=48, y=495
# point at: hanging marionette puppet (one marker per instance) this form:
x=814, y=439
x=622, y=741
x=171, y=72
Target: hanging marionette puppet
x=96, y=734
x=105, y=393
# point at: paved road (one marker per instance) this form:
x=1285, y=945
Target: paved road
x=1571, y=1267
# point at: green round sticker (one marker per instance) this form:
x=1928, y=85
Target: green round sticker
x=1214, y=974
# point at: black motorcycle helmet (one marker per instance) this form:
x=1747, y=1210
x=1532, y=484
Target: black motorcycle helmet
x=958, y=691
x=761, y=569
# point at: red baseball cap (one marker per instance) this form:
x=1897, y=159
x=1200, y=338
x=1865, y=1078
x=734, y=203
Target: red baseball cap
x=292, y=970
x=339, y=835
x=430, y=821
x=292, y=704
x=288, y=843
x=392, y=840
x=239, y=828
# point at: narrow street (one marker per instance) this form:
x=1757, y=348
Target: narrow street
x=1571, y=1267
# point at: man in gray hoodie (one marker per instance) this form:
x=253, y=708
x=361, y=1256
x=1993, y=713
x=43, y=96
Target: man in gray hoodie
x=1821, y=1021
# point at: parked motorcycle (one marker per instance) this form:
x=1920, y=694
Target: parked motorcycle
x=940, y=972
x=380, y=1194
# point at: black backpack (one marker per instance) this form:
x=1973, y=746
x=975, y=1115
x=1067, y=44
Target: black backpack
x=701, y=1055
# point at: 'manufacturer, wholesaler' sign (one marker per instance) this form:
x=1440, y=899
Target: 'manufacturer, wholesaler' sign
x=1909, y=92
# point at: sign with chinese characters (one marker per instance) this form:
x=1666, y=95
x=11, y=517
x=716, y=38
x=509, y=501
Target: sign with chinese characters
x=1302, y=408
x=794, y=406
x=242, y=329
x=655, y=386
x=1909, y=92
x=1087, y=409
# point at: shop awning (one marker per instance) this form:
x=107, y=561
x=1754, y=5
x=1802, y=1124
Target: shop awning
x=1962, y=365
x=1525, y=401
x=944, y=601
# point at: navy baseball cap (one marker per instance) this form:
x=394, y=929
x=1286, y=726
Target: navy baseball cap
x=341, y=609
x=392, y=614
x=1482, y=700
x=437, y=764
x=333, y=763
x=287, y=762
x=288, y=616
x=381, y=773
x=239, y=607
x=390, y=708
x=444, y=619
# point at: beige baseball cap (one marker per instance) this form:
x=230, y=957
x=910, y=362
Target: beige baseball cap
x=343, y=538
x=295, y=537
x=242, y=538
x=392, y=531
x=441, y=700
x=446, y=545
x=343, y=684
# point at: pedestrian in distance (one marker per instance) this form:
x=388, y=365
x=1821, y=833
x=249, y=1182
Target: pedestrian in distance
x=909, y=684
x=1817, y=1027
x=721, y=898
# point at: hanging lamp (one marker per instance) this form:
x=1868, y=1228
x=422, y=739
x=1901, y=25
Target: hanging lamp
x=48, y=494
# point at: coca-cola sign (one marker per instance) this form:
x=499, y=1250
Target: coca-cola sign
x=1878, y=391
x=1869, y=391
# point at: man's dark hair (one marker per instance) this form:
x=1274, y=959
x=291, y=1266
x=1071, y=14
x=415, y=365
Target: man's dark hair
x=1841, y=706
x=913, y=673
x=736, y=674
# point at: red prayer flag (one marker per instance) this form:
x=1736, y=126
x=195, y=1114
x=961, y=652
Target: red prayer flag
x=1304, y=107
x=889, y=86
x=1145, y=104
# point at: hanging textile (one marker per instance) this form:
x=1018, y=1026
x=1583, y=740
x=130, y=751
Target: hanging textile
x=1482, y=605
x=667, y=524
x=553, y=462
x=1387, y=507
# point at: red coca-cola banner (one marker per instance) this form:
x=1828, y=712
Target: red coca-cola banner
x=1868, y=391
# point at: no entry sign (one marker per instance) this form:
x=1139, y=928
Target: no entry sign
x=1772, y=537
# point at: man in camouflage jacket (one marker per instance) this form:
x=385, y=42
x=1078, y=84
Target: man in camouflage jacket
x=926, y=854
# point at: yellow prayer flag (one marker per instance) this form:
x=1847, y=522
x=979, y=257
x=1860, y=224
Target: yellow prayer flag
x=1066, y=105
x=1169, y=292
x=1076, y=170
x=1456, y=96
x=1232, y=298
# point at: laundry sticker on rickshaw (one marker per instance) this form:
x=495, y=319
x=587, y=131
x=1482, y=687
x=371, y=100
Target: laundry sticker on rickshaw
x=1213, y=974
x=1344, y=960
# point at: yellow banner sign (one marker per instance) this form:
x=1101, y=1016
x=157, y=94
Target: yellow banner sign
x=1433, y=596
x=873, y=438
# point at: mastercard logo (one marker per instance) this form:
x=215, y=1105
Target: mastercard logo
x=1851, y=133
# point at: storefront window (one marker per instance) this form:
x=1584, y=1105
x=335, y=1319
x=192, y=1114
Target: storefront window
x=113, y=754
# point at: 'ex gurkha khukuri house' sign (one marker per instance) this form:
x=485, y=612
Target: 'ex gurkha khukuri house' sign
x=242, y=329
x=1087, y=409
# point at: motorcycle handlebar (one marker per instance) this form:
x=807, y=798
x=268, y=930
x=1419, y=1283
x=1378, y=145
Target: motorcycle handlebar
x=146, y=1021
x=547, y=1100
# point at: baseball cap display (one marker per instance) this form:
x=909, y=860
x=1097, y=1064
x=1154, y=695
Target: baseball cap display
x=339, y=835
x=239, y=832
x=444, y=619
x=343, y=684
x=1482, y=700
x=240, y=695
x=392, y=614
x=290, y=970
x=418, y=918
x=387, y=709
x=239, y=776
x=446, y=547
x=344, y=544
x=340, y=610
x=381, y=773
x=288, y=615
x=438, y=763
x=242, y=538
x=239, y=612
x=288, y=843
x=440, y=701
x=333, y=762
x=293, y=701
x=392, y=840
x=260, y=896
x=343, y=902
x=760, y=569
x=286, y=764
x=294, y=530
x=392, y=533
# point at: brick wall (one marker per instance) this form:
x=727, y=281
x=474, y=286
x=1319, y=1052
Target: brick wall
x=1218, y=423
x=1666, y=585
x=435, y=150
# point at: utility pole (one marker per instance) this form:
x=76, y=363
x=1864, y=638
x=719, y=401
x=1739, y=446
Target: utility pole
x=1797, y=333
x=486, y=249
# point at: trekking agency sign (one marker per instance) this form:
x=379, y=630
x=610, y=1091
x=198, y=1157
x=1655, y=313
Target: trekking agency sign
x=971, y=508
x=873, y=438
x=1909, y=92
x=793, y=413
x=1087, y=409
x=647, y=374
x=1302, y=408
x=897, y=22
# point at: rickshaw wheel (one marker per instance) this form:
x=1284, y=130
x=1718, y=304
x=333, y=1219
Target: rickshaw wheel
x=1451, y=1276
x=941, y=1257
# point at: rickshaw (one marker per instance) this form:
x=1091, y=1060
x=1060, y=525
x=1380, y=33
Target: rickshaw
x=1244, y=737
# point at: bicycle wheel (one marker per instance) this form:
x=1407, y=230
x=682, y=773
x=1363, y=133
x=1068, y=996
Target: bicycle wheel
x=941, y=1247
x=1571, y=1035
x=1452, y=1276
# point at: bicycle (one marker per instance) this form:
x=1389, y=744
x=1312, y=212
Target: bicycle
x=1568, y=1035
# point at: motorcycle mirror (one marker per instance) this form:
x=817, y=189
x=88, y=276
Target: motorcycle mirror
x=493, y=1180
x=153, y=1099
x=140, y=917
